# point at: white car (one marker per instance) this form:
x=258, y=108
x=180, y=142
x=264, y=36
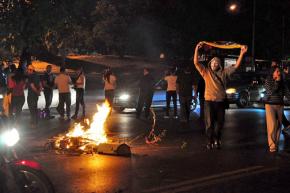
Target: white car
x=54, y=103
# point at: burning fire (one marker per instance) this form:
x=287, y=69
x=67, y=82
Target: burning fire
x=96, y=131
x=80, y=136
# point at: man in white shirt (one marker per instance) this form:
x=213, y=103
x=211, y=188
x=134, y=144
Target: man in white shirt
x=171, y=93
x=62, y=82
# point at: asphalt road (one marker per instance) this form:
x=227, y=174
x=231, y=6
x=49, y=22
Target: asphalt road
x=178, y=163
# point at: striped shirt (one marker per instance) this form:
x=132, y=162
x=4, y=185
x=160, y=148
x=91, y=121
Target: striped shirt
x=275, y=91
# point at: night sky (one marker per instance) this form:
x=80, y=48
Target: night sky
x=209, y=20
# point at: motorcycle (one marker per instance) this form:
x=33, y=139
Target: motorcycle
x=19, y=175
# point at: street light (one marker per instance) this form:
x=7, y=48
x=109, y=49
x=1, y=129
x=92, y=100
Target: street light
x=233, y=7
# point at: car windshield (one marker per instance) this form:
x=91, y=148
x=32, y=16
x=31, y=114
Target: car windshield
x=245, y=79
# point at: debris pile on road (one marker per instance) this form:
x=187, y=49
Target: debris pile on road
x=88, y=137
x=155, y=135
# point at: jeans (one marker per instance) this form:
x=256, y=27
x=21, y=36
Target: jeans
x=185, y=102
x=48, y=94
x=109, y=96
x=80, y=100
x=17, y=104
x=64, y=98
x=32, y=105
x=169, y=95
x=145, y=99
x=214, y=118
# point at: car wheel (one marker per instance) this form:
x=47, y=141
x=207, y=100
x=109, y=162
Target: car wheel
x=193, y=104
x=243, y=100
x=119, y=109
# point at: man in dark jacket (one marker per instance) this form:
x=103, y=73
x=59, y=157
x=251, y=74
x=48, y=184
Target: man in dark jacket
x=146, y=90
x=184, y=85
x=34, y=89
x=48, y=83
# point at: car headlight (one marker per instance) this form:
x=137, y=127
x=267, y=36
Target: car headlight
x=231, y=91
x=1, y=96
x=124, y=97
x=10, y=137
x=262, y=95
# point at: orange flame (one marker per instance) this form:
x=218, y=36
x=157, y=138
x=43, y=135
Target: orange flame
x=96, y=130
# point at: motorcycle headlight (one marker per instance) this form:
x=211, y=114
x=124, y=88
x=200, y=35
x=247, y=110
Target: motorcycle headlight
x=124, y=97
x=10, y=137
x=231, y=91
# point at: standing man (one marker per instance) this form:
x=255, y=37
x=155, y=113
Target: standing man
x=171, y=93
x=34, y=89
x=215, y=93
x=184, y=84
x=80, y=84
x=62, y=82
x=146, y=90
x=48, y=83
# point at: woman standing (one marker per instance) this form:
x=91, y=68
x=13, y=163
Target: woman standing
x=110, y=86
x=276, y=89
x=18, y=85
x=80, y=84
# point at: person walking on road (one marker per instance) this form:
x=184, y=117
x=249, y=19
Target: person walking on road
x=184, y=86
x=276, y=89
x=34, y=89
x=285, y=121
x=215, y=94
x=62, y=82
x=171, y=93
x=80, y=84
x=146, y=91
x=48, y=84
x=110, y=81
x=18, y=97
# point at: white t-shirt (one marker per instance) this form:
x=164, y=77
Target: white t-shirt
x=112, y=84
x=171, y=82
x=62, y=81
x=81, y=81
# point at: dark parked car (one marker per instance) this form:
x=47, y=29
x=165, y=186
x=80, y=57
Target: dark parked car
x=245, y=89
x=127, y=97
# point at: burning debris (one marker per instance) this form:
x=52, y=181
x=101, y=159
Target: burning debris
x=88, y=137
x=155, y=135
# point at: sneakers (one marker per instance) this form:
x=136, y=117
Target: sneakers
x=209, y=146
x=217, y=144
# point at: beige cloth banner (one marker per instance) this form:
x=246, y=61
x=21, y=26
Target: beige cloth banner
x=223, y=45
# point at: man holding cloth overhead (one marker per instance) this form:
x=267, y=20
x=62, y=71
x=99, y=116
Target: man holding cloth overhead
x=215, y=77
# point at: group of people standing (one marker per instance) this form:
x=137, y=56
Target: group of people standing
x=17, y=81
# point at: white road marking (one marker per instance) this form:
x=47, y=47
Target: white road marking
x=209, y=180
